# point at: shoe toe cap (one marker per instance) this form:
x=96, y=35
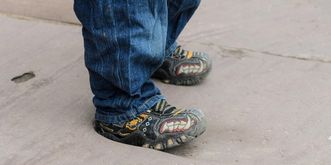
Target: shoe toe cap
x=200, y=122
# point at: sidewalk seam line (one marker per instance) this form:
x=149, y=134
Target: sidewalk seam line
x=242, y=51
x=38, y=19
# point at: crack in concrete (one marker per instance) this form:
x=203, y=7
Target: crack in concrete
x=241, y=52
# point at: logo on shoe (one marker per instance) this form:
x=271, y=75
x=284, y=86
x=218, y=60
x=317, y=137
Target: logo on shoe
x=176, y=125
x=191, y=68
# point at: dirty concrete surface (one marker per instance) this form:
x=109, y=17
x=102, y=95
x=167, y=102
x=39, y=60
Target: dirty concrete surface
x=268, y=98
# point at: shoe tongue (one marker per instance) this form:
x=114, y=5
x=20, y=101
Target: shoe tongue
x=163, y=107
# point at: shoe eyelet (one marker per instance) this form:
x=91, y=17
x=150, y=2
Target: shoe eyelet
x=144, y=129
x=147, y=124
x=150, y=118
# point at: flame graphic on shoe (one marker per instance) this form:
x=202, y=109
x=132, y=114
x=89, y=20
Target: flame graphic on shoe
x=191, y=68
x=176, y=125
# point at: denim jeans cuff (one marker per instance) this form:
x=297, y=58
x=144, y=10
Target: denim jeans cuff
x=171, y=49
x=130, y=114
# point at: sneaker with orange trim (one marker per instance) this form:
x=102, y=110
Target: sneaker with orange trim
x=184, y=68
x=162, y=127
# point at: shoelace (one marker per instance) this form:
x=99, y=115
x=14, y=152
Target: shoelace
x=181, y=53
x=163, y=107
x=132, y=125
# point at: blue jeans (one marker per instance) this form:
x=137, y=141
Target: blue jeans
x=125, y=42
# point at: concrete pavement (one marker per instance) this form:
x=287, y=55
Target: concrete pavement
x=268, y=98
x=57, y=10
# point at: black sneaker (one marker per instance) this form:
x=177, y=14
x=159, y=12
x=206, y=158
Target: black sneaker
x=184, y=68
x=162, y=127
